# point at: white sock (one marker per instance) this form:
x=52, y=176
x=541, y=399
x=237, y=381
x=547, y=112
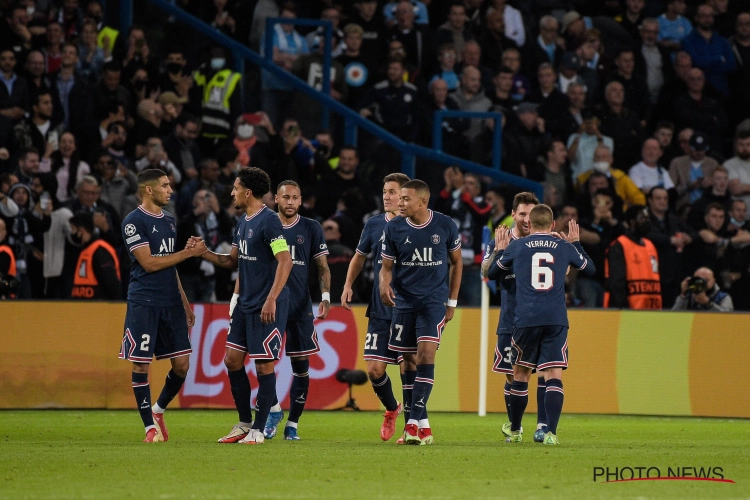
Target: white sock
x=539, y=426
x=157, y=409
x=424, y=423
x=291, y=424
x=245, y=424
x=149, y=428
x=276, y=408
x=412, y=422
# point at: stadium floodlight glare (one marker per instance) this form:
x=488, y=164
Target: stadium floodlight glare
x=351, y=377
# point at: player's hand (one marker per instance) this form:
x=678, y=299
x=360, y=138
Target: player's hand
x=346, y=297
x=449, y=312
x=190, y=317
x=323, y=309
x=502, y=238
x=573, y=232
x=387, y=296
x=268, y=313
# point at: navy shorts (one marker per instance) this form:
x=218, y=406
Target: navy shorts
x=503, y=355
x=154, y=331
x=247, y=333
x=301, y=337
x=410, y=328
x=541, y=347
x=376, y=342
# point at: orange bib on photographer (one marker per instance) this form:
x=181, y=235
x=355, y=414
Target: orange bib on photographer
x=85, y=284
x=641, y=274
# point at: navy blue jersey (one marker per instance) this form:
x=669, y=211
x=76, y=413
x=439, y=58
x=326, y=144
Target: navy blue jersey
x=540, y=263
x=371, y=240
x=306, y=243
x=507, y=284
x=258, y=238
x=158, y=232
x=421, y=267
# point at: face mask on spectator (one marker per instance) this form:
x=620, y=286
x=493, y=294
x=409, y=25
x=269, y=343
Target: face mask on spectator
x=76, y=239
x=30, y=10
x=601, y=166
x=244, y=131
x=217, y=62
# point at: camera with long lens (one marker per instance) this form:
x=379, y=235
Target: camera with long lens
x=696, y=285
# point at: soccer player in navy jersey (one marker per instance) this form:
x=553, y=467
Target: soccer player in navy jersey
x=377, y=354
x=522, y=205
x=158, y=314
x=540, y=328
x=307, y=246
x=259, y=310
x=420, y=278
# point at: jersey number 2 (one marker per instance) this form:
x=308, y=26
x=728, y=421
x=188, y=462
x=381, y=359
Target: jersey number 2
x=146, y=339
x=542, y=278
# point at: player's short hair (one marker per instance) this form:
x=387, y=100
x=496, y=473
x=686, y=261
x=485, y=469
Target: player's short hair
x=633, y=212
x=524, y=198
x=288, y=183
x=256, y=180
x=541, y=217
x=420, y=187
x=150, y=175
x=398, y=178
x=83, y=220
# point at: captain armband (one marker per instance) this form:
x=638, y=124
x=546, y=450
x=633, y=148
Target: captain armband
x=279, y=245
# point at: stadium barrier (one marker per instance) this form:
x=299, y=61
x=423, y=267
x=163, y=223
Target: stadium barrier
x=64, y=355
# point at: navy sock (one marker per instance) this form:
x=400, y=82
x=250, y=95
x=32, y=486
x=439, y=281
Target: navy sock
x=384, y=390
x=172, y=386
x=541, y=413
x=421, y=393
x=553, y=402
x=506, y=393
x=407, y=386
x=519, y=398
x=142, y=392
x=240, y=386
x=266, y=393
x=300, y=385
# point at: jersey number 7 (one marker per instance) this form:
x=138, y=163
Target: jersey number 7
x=542, y=278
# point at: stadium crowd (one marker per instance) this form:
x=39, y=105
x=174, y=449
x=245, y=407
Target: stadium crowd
x=610, y=105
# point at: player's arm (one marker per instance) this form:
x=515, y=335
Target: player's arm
x=355, y=267
x=385, y=277
x=454, y=281
x=185, y=304
x=153, y=264
x=502, y=240
x=324, y=279
x=284, y=267
x=225, y=260
x=582, y=261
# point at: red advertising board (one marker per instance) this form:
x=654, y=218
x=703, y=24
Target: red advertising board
x=207, y=384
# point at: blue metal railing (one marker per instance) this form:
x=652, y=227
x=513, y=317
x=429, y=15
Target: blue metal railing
x=352, y=120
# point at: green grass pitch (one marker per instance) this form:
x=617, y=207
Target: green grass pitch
x=99, y=454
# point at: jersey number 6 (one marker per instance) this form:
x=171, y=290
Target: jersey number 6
x=542, y=278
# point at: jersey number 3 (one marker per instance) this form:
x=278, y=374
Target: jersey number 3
x=542, y=278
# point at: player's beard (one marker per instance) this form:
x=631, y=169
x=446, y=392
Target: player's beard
x=295, y=211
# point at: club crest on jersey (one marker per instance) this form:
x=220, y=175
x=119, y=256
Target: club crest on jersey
x=249, y=233
x=435, y=239
x=129, y=230
x=171, y=226
x=300, y=239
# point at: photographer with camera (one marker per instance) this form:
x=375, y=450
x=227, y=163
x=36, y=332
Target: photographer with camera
x=701, y=293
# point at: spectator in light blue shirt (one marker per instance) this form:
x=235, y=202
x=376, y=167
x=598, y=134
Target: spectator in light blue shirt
x=710, y=51
x=673, y=26
x=420, y=12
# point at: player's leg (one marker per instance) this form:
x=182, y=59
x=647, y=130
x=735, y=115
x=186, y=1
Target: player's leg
x=297, y=395
x=553, y=359
x=138, y=344
x=541, y=412
x=403, y=340
x=408, y=375
x=525, y=353
x=234, y=360
x=173, y=343
x=502, y=365
x=429, y=328
x=378, y=356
